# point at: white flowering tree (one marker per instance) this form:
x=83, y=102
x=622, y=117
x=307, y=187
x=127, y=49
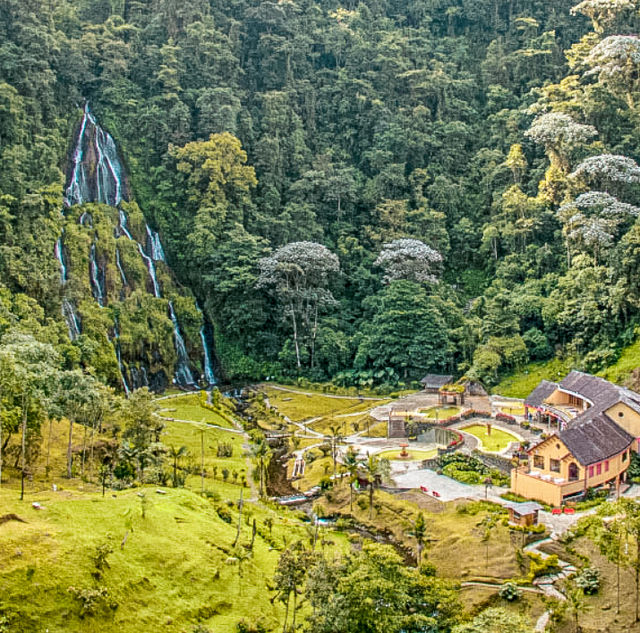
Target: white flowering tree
x=298, y=275
x=607, y=172
x=616, y=62
x=591, y=221
x=411, y=260
x=602, y=12
x=558, y=133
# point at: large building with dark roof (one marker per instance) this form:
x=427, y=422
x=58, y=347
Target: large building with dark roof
x=594, y=426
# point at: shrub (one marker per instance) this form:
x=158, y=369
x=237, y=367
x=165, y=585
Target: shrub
x=509, y=591
x=541, y=566
x=92, y=600
x=224, y=514
x=504, y=417
x=589, y=580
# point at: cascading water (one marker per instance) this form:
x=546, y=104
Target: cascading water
x=94, y=271
x=151, y=267
x=116, y=334
x=119, y=265
x=155, y=245
x=70, y=316
x=209, y=376
x=60, y=257
x=97, y=175
x=183, y=373
x=123, y=224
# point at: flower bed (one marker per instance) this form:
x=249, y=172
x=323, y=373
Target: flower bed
x=505, y=417
x=456, y=441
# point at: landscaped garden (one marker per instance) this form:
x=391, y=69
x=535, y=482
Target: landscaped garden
x=413, y=454
x=512, y=408
x=495, y=441
x=440, y=413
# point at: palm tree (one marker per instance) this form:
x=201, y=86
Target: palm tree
x=176, y=454
x=261, y=452
x=336, y=438
x=352, y=464
x=419, y=532
x=375, y=470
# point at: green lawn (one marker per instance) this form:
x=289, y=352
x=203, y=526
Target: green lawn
x=181, y=434
x=514, y=408
x=496, y=442
x=441, y=413
x=628, y=361
x=300, y=406
x=188, y=408
x=522, y=382
x=176, y=569
x=414, y=454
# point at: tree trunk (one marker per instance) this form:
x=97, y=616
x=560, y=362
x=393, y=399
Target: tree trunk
x=84, y=450
x=23, y=445
x=69, y=454
x=295, y=336
x=350, y=496
x=313, y=335
x=370, y=500
x=286, y=614
x=46, y=470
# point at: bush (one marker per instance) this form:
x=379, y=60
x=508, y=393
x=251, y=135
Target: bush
x=92, y=600
x=589, y=580
x=224, y=514
x=504, y=417
x=541, y=566
x=509, y=591
x=464, y=476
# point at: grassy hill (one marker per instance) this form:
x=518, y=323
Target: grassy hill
x=170, y=561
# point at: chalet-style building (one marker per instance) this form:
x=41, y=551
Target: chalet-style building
x=595, y=425
x=432, y=383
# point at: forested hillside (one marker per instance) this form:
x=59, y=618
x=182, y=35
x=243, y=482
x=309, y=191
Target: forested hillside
x=360, y=191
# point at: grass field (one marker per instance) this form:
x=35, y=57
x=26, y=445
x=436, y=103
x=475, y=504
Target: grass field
x=188, y=408
x=440, y=413
x=622, y=368
x=522, y=382
x=176, y=569
x=512, y=408
x=496, y=442
x=414, y=454
x=300, y=406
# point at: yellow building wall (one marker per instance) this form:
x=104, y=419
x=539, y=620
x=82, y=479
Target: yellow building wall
x=532, y=488
x=551, y=492
x=625, y=417
x=553, y=448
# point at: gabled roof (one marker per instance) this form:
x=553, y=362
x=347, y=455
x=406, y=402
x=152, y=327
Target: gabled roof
x=600, y=392
x=436, y=380
x=540, y=393
x=595, y=439
x=525, y=507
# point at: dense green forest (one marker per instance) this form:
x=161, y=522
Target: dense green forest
x=359, y=192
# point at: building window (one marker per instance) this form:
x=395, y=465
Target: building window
x=599, y=469
x=606, y=466
x=554, y=465
x=620, y=414
x=538, y=461
x=573, y=472
x=590, y=471
x=624, y=456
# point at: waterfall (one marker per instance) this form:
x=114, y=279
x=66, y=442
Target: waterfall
x=119, y=265
x=123, y=223
x=94, y=271
x=116, y=345
x=60, y=257
x=152, y=270
x=208, y=368
x=155, y=245
x=183, y=373
x=101, y=182
x=77, y=191
x=70, y=316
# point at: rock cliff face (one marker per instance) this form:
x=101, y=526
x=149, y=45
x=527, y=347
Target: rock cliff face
x=117, y=290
